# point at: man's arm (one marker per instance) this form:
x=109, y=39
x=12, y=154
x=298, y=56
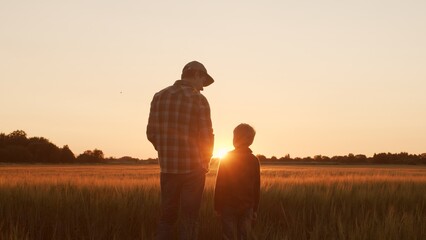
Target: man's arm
x=152, y=127
x=206, y=136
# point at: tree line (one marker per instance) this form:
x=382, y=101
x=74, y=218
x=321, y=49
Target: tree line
x=377, y=158
x=16, y=147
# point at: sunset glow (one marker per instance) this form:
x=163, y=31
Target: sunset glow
x=213, y=119
x=220, y=153
x=312, y=77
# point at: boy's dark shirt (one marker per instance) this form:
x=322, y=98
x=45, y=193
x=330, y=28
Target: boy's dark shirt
x=238, y=181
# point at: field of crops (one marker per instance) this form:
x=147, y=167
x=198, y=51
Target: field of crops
x=297, y=202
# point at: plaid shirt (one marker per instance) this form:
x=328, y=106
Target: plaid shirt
x=180, y=129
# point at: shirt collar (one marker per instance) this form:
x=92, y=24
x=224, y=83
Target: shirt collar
x=243, y=149
x=185, y=83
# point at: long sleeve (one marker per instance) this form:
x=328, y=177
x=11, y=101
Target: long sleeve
x=206, y=136
x=152, y=127
x=256, y=184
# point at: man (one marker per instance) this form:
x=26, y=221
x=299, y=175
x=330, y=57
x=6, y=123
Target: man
x=180, y=129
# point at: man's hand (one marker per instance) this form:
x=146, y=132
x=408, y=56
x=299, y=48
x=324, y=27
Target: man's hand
x=206, y=166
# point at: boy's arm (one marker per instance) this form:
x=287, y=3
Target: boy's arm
x=256, y=184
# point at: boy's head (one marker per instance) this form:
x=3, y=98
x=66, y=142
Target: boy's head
x=243, y=135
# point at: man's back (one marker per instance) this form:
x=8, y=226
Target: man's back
x=180, y=128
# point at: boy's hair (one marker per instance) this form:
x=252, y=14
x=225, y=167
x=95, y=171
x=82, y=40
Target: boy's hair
x=243, y=135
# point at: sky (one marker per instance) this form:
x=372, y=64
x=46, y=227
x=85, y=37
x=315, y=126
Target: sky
x=312, y=77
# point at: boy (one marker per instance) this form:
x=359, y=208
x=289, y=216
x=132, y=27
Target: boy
x=237, y=189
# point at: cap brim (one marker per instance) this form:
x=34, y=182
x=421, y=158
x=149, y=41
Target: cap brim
x=209, y=80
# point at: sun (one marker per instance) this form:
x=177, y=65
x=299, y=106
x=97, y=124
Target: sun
x=220, y=153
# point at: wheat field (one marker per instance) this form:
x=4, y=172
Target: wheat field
x=297, y=202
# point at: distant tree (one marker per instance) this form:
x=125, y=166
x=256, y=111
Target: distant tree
x=150, y=161
x=3, y=139
x=360, y=158
x=13, y=147
x=17, y=137
x=339, y=159
x=98, y=154
x=397, y=158
x=406, y=158
x=91, y=156
x=15, y=153
x=423, y=158
x=3, y=154
x=350, y=158
x=18, y=134
x=128, y=159
x=39, y=148
x=43, y=150
x=380, y=158
x=261, y=158
x=286, y=158
x=67, y=156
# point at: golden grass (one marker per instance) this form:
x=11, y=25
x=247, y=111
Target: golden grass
x=297, y=202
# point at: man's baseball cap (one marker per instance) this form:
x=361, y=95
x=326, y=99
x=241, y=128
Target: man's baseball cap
x=197, y=66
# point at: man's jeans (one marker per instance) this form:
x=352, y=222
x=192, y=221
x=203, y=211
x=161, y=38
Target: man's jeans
x=182, y=191
x=237, y=225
